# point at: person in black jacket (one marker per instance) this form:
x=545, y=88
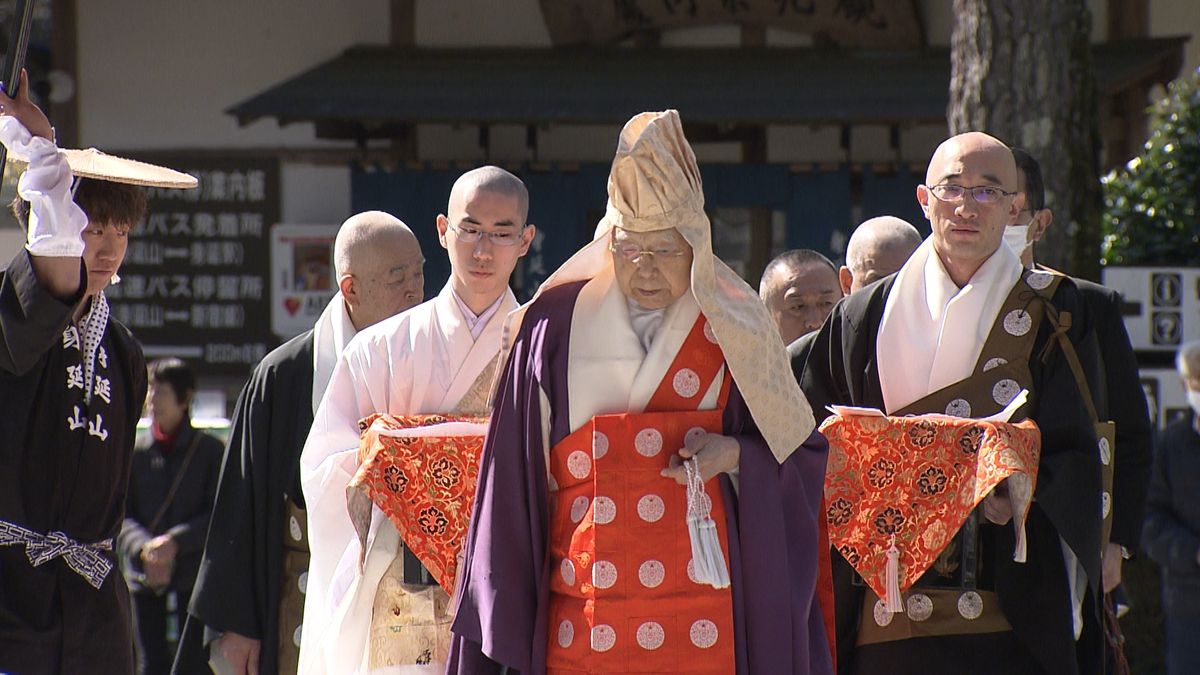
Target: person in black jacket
x=172, y=484
x=1171, y=536
x=1119, y=394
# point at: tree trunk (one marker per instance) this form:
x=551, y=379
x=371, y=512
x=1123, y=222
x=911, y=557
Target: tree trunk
x=1022, y=71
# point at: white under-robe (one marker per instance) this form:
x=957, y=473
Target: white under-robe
x=422, y=361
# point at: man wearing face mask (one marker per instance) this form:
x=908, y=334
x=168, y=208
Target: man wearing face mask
x=1119, y=395
x=1172, y=534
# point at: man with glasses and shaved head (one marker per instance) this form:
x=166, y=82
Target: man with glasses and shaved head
x=961, y=330
x=372, y=602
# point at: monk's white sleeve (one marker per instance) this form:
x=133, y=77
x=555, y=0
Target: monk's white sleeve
x=328, y=462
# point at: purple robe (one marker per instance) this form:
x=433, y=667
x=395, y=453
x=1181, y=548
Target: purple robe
x=504, y=592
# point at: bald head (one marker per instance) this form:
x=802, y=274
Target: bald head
x=878, y=247
x=488, y=179
x=949, y=158
x=379, y=265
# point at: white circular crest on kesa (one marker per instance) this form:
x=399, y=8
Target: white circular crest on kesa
x=703, y=633
x=693, y=434
x=1039, y=280
x=1105, y=504
x=294, y=528
x=691, y=571
x=604, y=574
x=882, y=616
x=296, y=635
x=1105, y=451
x=606, y=511
x=1017, y=322
x=566, y=633
x=650, y=635
x=579, y=509
x=599, y=444
x=567, y=569
x=651, y=508
x=648, y=442
x=686, y=383
x=709, y=334
x=970, y=605
x=579, y=464
x=919, y=607
x=302, y=583
x=651, y=573
x=1004, y=391
x=994, y=363
x=959, y=407
x=603, y=638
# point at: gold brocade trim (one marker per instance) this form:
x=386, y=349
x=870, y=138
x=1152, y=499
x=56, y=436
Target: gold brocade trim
x=410, y=624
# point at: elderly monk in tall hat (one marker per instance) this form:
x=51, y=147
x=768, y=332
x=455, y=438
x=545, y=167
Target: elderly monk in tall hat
x=72, y=383
x=650, y=483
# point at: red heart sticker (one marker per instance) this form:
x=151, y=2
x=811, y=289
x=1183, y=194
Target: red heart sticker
x=292, y=305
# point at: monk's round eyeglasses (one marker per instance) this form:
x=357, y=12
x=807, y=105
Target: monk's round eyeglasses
x=471, y=235
x=632, y=252
x=982, y=194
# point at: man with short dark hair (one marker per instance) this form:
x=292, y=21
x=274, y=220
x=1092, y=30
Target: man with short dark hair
x=72, y=383
x=799, y=288
x=1119, y=393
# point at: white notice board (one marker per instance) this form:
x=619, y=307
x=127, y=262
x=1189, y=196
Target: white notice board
x=302, y=278
x=1162, y=304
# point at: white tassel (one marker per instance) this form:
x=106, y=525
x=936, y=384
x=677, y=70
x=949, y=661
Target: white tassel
x=1020, y=553
x=707, y=556
x=892, y=579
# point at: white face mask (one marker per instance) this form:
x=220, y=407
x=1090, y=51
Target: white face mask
x=1016, y=237
x=1193, y=398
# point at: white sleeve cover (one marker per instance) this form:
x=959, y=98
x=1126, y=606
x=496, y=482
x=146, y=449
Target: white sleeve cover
x=55, y=221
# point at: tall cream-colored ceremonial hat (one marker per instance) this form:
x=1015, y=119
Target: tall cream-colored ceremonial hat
x=92, y=163
x=655, y=184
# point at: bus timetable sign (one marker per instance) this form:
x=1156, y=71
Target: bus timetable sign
x=195, y=280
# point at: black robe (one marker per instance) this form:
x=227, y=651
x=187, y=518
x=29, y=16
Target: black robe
x=841, y=368
x=64, y=467
x=186, y=519
x=1120, y=398
x=238, y=588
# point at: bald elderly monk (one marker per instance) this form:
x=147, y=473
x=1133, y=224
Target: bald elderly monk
x=372, y=605
x=799, y=288
x=248, y=601
x=877, y=248
x=961, y=330
x=650, y=485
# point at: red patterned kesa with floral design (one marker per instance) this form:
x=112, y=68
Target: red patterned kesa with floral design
x=425, y=484
x=916, y=479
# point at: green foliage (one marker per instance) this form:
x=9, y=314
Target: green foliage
x=1151, y=205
